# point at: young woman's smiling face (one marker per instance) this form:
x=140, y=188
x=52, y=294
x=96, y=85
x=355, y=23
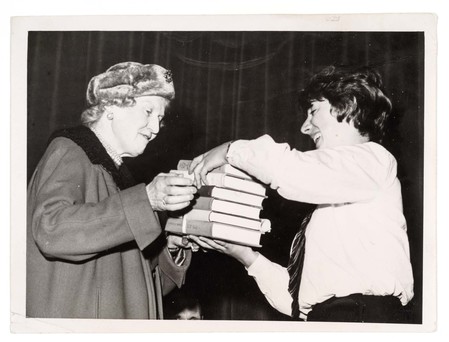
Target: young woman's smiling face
x=133, y=127
x=323, y=127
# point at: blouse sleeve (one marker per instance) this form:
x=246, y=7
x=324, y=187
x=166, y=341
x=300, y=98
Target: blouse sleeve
x=339, y=175
x=66, y=226
x=272, y=280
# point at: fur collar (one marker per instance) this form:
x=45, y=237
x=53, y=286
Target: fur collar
x=88, y=141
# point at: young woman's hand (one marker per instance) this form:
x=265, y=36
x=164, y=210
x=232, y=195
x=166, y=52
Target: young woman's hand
x=243, y=254
x=208, y=161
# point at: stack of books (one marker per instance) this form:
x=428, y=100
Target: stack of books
x=228, y=208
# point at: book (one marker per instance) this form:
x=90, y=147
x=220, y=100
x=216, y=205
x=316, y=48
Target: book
x=227, y=181
x=230, y=195
x=214, y=230
x=215, y=204
x=184, y=165
x=212, y=216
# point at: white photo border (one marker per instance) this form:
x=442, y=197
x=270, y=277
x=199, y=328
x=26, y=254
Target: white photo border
x=339, y=22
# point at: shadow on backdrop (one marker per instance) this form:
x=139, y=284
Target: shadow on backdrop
x=235, y=85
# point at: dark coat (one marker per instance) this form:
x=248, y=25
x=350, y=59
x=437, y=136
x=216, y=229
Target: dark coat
x=88, y=244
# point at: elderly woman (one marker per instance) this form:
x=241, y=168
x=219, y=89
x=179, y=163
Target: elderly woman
x=91, y=228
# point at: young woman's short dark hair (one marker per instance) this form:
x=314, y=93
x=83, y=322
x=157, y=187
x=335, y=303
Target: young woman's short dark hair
x=355, y=95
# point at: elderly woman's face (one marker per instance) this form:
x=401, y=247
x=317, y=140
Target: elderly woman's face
x=133, y=127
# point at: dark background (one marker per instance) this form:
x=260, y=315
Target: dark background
x=235, y=85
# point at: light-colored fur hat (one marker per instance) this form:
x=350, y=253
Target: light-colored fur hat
x=130, y=80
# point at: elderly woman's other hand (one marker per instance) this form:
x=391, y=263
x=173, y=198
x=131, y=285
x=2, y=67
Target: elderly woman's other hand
x=169, y=191
x=208, y=161
x=175, y=242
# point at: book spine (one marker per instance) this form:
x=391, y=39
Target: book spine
x=235, y=220
x=201, y=228
x=198, y=214
x=208, y=215
x=204, y=203
x=239, y=184
x=209, y=203
x=174, y=225
x=225, y=232
x=231, y=195
x=206, y=191
x=219, y=231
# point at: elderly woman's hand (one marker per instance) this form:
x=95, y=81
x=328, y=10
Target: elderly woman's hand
x=169, y=191
x=175, y=242
x=208, y=161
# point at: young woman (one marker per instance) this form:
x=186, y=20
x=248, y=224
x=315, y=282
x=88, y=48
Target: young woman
x=354, y=263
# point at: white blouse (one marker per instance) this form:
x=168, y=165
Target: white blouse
x=356, y=241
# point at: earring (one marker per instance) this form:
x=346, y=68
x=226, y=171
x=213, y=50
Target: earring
x=110, y=116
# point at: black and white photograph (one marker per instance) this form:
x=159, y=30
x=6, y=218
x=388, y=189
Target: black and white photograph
x=227, y=170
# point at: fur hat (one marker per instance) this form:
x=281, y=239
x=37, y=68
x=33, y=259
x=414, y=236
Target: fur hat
x=130, y=79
